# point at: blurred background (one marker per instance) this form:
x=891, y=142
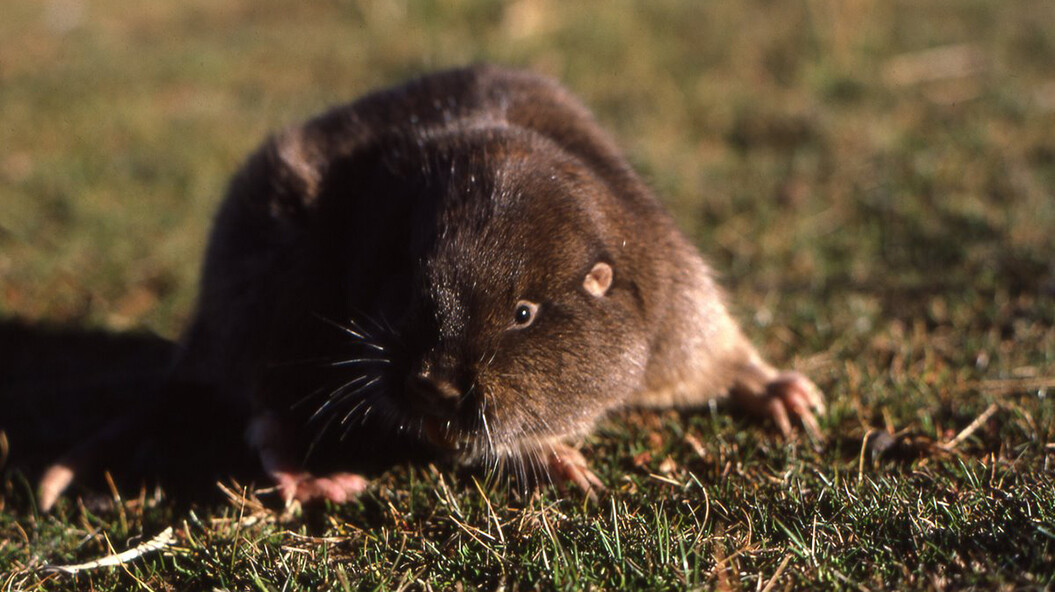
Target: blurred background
x=856, y=170
x=874, y=181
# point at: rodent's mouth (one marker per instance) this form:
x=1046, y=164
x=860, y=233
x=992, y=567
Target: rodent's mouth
x=442, y=433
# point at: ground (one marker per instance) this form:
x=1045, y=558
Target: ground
x=874, y=181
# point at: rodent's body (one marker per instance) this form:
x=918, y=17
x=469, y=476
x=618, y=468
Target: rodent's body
x=466, y=259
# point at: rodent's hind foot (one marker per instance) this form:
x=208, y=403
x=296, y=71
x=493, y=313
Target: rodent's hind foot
x=566, y=464
x=787, y=396
x=305, y=487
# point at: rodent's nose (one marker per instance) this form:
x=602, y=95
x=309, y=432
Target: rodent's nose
x=432, y=394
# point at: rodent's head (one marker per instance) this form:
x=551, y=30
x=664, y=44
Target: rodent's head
x=521, y=323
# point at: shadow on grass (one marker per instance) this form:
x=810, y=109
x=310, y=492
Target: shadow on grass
x=60, y=385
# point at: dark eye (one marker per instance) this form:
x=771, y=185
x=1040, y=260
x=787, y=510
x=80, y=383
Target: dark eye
x=524, y=313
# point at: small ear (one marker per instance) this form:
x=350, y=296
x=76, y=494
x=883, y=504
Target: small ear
x=297, y=164
x=598, y=280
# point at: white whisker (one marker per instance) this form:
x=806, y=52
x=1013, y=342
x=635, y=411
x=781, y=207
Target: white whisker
x=362, y=335
x=344, y=396
x=333, y=400
x=353, y=361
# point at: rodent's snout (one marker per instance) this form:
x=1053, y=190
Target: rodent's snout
x=432, y=395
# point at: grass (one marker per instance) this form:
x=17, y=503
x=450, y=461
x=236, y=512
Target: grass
x=884, y=229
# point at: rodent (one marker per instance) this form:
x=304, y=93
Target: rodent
x=465, y=260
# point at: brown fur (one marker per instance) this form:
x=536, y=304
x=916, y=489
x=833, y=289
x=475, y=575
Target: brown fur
x=505, y=188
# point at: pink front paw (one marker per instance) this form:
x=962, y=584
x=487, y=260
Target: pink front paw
x=272, y=440
x=304, y=487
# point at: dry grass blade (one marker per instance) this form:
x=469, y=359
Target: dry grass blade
x=780, y=569
x=951, y=61
x=162, y=540
x=1006, y=386
x=971, y=428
